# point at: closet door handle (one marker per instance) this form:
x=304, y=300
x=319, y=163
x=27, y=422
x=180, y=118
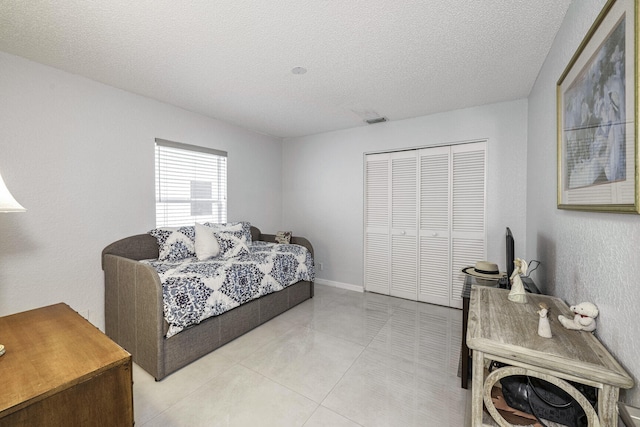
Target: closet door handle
x=434, y=235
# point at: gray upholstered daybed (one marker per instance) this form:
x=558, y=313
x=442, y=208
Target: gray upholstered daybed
x=134, y=316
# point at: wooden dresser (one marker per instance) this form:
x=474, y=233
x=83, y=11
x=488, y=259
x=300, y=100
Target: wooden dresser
x=60, y=370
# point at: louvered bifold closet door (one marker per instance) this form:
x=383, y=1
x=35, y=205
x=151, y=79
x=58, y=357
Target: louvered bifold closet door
x=376, y=219
x=468, y=228
x=434, y=252
x=404, y=236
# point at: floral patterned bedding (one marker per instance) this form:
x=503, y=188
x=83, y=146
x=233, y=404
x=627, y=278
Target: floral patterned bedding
x=195, y=290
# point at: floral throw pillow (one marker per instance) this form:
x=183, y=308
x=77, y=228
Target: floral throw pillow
x=246, y=230
x=175, y=243
x=232, y=244
x=244, y=226
x=225, y=226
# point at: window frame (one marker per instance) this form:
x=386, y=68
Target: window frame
x=182, y=173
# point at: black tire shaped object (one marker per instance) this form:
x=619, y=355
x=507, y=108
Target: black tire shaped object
x=546, y=401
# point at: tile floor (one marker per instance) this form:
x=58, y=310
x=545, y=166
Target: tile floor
x=342, y=358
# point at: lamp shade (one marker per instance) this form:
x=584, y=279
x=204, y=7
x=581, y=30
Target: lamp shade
x=7, y=202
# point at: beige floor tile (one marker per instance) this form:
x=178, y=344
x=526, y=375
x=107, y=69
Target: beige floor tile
x=355, y=321
x=238, y=397
x=242, y=347
x=376, y=392
x=429, y=335
x=324, y=417
x=306, y=361
x=151, y=397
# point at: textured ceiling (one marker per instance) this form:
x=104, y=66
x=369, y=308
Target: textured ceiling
x=232, y=60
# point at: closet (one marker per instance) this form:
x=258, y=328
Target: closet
x=424, y=220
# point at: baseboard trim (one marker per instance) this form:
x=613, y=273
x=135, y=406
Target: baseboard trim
x=340, y=285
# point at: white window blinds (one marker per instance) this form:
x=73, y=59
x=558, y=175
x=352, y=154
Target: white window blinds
x=191, y=184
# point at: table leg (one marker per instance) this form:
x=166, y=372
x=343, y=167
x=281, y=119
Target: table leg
x=464, y=351
x=477, y=388
x=607, y=405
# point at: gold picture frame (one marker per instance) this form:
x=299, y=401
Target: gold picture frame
x=597, y=116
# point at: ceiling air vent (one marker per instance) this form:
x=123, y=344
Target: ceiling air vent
x=369, y=116
x=376, y=120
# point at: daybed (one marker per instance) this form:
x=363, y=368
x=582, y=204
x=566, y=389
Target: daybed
x=134, y=316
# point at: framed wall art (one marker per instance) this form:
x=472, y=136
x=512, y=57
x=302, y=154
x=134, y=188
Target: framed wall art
x=597, y=110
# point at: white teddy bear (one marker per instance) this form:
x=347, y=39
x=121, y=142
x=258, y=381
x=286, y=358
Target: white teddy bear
x=584, y=319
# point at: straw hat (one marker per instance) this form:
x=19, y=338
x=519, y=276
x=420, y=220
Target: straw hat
x=485, y=270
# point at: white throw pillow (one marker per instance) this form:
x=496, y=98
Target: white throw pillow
x=206, y=244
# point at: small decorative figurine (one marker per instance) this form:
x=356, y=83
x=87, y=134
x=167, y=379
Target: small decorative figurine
x=584, y=319
x=544, y=329
x=517, y=293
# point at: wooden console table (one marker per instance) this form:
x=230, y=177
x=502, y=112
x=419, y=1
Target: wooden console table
x=507, y=332
x=465, y=354
x=60, y=370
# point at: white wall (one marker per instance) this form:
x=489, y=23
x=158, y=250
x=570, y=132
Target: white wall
x=79, y=155
x=323, y=180
x=585, y=256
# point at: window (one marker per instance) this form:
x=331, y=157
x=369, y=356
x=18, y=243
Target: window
x=191, y=184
